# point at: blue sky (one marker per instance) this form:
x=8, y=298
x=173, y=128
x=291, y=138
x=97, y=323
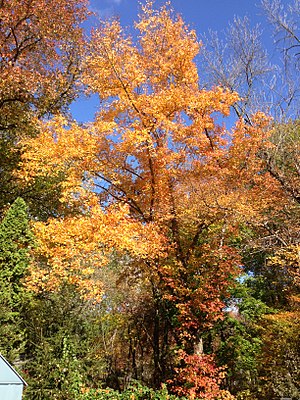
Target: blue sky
x=200, y=15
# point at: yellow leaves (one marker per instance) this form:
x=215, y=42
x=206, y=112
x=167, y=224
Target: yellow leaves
x=72, y=249
x=65, y=150
x=112, y=68
x=288, y=259
x=169, y=46
x=207, y=101
x=163, y=59
x=282, y=330
x=248, y=141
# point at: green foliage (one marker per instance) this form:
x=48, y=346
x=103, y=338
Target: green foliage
x=55, y=372
x=16, y=239
x=250, y=306
x=238, y=349
x=238, y=339
x=62, y=333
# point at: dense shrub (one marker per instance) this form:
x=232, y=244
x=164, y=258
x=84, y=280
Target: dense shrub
x=135, y=392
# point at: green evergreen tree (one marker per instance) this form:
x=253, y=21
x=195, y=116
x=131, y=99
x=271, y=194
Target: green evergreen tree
x=16, y=240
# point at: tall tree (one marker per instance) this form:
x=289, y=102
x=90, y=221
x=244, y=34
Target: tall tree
x=165, y=185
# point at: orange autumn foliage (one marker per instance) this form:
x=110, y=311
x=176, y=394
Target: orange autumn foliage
x=200, y=378
x=41, y=49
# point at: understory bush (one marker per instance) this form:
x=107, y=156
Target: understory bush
x=135, y=392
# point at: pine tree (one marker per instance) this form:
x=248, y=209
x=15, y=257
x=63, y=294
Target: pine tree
x=16, y=239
